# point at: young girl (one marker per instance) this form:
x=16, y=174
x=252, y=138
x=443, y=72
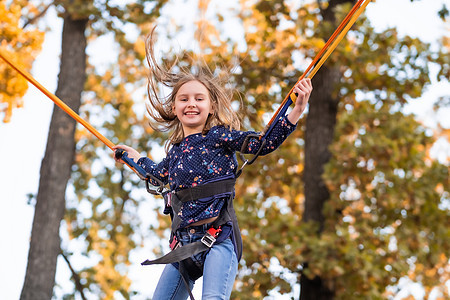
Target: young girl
x=200, y=168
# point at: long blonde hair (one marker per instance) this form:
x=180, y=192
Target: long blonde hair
x=160, y=108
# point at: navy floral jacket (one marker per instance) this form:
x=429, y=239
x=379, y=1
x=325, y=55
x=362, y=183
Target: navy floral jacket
x=199, y=159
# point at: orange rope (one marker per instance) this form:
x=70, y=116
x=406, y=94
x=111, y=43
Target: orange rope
x=339, y=38
x=64, y=107
x=58, y=102
x=353, y=15
x=331, y=39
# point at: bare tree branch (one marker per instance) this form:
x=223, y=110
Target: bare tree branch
x=38, y=16
x=78, y=285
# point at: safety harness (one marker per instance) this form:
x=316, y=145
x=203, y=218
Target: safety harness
x=223, y=227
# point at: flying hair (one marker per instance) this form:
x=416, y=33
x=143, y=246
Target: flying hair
x=173, y=77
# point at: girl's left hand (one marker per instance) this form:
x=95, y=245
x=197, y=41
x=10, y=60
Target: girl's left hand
x=133, y=154
x=303, y=90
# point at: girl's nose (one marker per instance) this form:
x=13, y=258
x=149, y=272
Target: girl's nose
x=192, y=103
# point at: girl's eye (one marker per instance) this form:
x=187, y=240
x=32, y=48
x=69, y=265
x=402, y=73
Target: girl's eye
x=199, y=99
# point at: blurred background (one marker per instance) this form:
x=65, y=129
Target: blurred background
x=354, y=205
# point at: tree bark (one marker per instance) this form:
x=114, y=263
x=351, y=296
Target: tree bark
x=319, y=134
x=320, y=127
x=56, y=167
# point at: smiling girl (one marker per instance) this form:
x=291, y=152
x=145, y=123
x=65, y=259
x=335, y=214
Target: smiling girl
x=200, y=168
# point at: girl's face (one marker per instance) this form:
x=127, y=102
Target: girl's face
x=192, y=107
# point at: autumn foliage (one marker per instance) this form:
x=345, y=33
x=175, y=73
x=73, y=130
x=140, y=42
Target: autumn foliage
x=21, y=46
x=386, y=217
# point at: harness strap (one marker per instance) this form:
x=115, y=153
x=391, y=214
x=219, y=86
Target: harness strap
x=143, y=175
x=197, y=192
x=206, y=190
x=183, y=269
x=186, y=251
x=183, y=255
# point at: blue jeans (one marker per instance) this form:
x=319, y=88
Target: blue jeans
x=219, y=272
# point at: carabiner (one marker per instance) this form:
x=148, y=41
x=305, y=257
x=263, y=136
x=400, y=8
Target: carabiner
x=143, y=175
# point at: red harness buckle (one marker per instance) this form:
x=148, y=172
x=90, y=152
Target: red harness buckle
x=174, y=243
x=210, y=236
x=214, y=232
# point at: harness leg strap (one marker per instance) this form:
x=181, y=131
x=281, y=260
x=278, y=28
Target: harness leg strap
x=185, y=277
x=186, y=251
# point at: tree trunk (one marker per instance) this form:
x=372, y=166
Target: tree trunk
x=320, y=125
x=319, y=134
x=56, y=167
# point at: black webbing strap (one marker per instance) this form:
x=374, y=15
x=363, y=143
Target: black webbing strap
x=178, y=254
x=199, y=192
x=185, y=277
x=206, y=190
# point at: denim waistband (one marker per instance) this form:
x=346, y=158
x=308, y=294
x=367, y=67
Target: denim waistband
x=197, y=228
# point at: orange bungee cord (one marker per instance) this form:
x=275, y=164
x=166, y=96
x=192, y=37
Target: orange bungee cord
x=119, y=152
x=353, y=15
x=57, y=101
x=320, y=59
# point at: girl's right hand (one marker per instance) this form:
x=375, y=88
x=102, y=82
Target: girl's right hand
x=133, y=154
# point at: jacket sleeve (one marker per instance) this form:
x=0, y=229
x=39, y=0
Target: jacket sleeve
x=235, y=139
x=160, y=171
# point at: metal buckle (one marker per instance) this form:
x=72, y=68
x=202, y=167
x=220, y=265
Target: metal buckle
x=208, y=239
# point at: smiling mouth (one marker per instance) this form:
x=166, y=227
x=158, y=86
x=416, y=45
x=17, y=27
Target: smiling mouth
x=191, y=113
